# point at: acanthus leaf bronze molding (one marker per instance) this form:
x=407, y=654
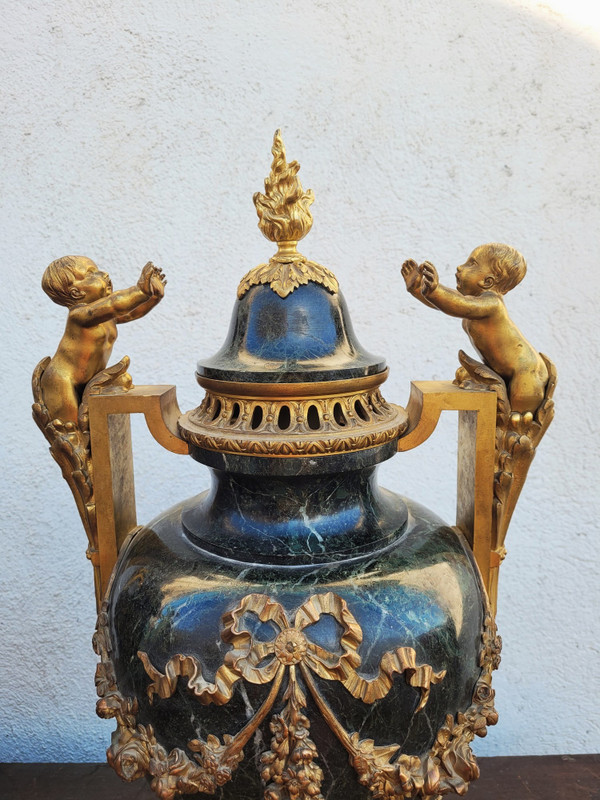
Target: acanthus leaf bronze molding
x=517, y=438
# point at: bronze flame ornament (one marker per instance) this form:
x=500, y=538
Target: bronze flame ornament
x=284, y=217
x=297, y=632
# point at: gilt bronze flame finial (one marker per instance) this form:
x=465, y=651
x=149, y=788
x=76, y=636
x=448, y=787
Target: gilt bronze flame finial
x=284, y=217
x=284, y=210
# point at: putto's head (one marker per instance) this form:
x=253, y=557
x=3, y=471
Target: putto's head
x=507, y=265
x=491, y=267
x=75, y=279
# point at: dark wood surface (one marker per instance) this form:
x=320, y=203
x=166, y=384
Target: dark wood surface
x=506, y=778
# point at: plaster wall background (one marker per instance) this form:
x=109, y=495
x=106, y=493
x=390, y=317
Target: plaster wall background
x=140, y=131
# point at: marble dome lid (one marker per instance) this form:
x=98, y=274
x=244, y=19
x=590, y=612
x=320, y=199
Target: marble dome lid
x=290, y=322
x=305, y=336
x=291, y=379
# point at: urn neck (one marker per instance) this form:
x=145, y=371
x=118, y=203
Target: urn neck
x=296, y=520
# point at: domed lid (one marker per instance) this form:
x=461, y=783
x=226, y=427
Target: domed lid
x=291, y=379
x=290, y=322
x=305, y=335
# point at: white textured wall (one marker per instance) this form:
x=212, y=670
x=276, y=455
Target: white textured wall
x=140, y=130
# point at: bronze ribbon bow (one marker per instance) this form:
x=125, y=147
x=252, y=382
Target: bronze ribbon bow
x=249, y=658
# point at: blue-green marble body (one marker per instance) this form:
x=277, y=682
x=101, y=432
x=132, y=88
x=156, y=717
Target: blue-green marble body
x=408, y=579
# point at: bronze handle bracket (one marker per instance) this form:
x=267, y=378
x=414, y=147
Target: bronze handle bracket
x=475, y=465
x=112, y=462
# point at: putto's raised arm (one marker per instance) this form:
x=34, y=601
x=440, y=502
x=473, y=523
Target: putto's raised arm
x=453, y=302
x=152, y=282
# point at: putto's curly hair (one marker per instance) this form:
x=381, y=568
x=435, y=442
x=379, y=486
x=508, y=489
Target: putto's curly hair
x=508, y=265
x=59, y=277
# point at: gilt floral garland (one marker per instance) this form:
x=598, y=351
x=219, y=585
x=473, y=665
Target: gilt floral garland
x=289, y=769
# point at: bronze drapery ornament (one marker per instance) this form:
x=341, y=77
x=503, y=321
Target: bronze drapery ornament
x=296, y=627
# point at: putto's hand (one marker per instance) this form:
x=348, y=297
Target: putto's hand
x=144, y=283
x=158, y=283
x=430, y=280
x=412, y=276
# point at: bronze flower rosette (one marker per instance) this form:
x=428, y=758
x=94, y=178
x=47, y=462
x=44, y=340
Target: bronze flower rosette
x=289, y=769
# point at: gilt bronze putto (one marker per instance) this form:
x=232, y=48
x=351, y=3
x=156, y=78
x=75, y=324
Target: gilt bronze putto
x=297, y=631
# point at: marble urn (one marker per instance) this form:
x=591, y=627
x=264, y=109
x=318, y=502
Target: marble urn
x=298, y=630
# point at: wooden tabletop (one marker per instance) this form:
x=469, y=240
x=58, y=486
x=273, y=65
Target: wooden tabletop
x=506, y=778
